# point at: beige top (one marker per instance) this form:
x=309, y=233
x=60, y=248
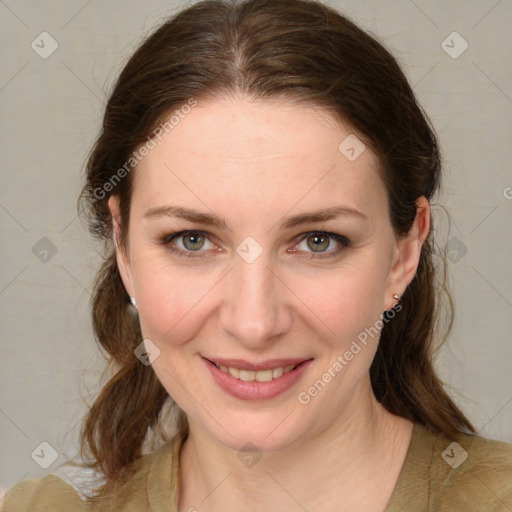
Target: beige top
x=438, y=475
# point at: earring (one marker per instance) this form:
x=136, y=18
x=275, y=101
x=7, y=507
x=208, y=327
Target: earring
x=397, y=298
x=134, y=302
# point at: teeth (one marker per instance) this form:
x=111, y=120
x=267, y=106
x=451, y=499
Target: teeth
x=247, y=375
x=234, y=371
x=259, y=376
x=277, y=372
x=264, y=376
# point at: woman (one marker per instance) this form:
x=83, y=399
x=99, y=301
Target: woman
x=263, y=182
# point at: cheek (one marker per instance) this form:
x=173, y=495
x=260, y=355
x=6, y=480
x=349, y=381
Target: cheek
x=345, y=300
x=170, y=300
x=171, y=313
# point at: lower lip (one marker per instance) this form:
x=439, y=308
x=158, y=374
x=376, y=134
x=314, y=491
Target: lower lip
x=255, y=390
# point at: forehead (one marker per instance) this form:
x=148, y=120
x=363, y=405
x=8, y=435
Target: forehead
x=245, y=151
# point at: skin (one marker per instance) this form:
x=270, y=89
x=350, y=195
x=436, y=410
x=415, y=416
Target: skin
x=253, y=164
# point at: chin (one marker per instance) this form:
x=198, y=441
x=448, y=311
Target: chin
x=263, y=429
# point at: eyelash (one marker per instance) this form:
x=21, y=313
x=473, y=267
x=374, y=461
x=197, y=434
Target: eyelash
x=343, y=241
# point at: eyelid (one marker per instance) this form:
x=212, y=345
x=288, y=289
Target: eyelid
x=343, y=241
x=167, y=241
x=340, y=238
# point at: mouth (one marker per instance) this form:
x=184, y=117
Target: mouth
x=266, y=375
x=256, y=381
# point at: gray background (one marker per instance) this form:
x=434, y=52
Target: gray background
x=51, y=110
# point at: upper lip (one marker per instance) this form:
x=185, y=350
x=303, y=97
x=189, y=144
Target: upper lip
x=262, y=365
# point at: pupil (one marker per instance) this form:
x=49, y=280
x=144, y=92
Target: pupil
x=194, y=239
x=320, y=243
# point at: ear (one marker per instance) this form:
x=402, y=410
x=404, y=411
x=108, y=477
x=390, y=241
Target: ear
x=407, y=253
x=123, y=260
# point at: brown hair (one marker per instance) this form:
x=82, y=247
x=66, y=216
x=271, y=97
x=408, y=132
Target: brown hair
x=290, y=49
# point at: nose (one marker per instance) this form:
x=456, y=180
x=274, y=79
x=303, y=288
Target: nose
x=256, y=306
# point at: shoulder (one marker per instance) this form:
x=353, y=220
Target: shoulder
x=48, y=493
x=146, y=489
x=471, y=472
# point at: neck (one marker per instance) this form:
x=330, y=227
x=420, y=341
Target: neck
x=353, y=465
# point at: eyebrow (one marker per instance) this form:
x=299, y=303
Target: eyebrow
x=214, y=220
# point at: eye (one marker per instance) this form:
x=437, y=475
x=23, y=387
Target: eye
x=188, y=243
x=317, y=243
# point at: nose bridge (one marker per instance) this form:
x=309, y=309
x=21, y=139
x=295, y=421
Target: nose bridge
x=254, y=310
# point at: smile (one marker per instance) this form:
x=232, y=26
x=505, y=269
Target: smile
x=256, y=381
x=260, y=375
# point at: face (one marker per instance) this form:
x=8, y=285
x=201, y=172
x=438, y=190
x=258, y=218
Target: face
x=239, y=285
